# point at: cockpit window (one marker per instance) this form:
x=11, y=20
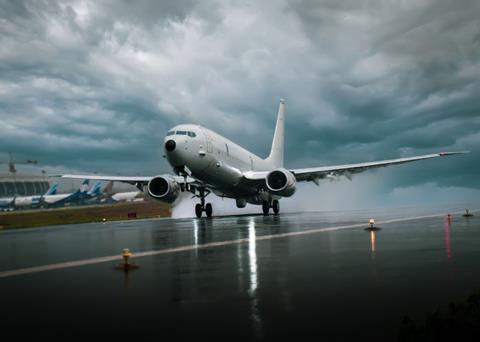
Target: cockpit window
x=189, y=133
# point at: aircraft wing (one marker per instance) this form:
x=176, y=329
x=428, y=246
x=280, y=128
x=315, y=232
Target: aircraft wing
x=136, y=180
x=130, y=180
x=316, y=173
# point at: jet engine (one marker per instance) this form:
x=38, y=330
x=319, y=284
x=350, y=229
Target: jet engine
x=281, y=182
x=163, y=188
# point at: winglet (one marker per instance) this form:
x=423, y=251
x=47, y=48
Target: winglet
x=442, y=154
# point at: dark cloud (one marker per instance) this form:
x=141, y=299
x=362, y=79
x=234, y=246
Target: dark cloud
x=94, y=85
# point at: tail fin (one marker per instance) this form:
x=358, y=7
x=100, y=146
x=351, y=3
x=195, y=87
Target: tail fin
x=95, y=190
x=108, y=189
x=276, y=153
x=84, y=186
x=52, y=190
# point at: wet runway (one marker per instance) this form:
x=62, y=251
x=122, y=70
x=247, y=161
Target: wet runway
x=250, y=277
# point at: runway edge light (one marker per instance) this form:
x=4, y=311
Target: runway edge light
x=371, y=225
x=126, y=265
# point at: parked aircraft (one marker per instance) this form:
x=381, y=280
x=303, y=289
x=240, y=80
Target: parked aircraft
x=128, y=196
x=97, y=195
x=7, y=204
x=25, y=202
x=94, y=192
x=205, y=162
x=71, y=198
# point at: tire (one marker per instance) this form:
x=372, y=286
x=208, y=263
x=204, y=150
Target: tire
x=209, y=210
x=198, y=210
x=265, y=207
x=276, y=206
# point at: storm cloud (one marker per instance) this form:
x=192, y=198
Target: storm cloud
x=94, y=85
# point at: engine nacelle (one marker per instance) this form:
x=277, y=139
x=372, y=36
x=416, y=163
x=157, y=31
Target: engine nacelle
x=281, y=182
x=163, y=188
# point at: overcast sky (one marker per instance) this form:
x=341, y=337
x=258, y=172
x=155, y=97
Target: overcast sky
x=94, y=85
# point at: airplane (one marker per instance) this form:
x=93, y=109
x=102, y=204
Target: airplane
x=7, y=204
x=34, y=201
x=97, y=195
x=109, y=196
x=128, y=196
x=71, y=198
x=94, y=192
x=204, y=162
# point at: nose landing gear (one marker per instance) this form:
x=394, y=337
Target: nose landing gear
x=202, y=207
x=199, y=209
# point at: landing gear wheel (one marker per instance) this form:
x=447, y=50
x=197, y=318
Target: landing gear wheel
x=265, y=207
x=208, y=209
x=198, y=210
x=276, y=206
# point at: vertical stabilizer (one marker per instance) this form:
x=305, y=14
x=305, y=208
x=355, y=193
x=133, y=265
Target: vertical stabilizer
x=52, y=190
x=276, y=153
x=108, y=189
x=84, y=186
x=95, y=190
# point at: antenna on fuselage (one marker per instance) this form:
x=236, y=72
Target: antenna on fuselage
x=276, y=153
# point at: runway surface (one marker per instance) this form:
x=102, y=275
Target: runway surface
x=250, y=277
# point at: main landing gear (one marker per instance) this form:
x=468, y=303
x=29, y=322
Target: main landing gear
x=202, y=207
x=266, y=205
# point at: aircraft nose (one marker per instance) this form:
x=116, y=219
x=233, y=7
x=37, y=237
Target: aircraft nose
x=170, y=145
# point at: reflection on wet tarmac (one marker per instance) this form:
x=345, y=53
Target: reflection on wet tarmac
x=252, y=260
x=252, y=254
x=372, y=241
x=195, y=232
x=250, y=277
x=448, y=244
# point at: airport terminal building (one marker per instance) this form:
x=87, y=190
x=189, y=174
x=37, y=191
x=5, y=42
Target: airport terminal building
x=25, y=185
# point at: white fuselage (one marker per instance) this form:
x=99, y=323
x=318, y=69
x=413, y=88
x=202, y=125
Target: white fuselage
x=28, y=201
x=51, y=199
x=214, y=160
x=126, y=196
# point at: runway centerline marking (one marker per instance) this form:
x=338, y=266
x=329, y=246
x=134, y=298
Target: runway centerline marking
x=99, y=260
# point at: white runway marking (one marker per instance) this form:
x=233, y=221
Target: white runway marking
x=63, y=265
